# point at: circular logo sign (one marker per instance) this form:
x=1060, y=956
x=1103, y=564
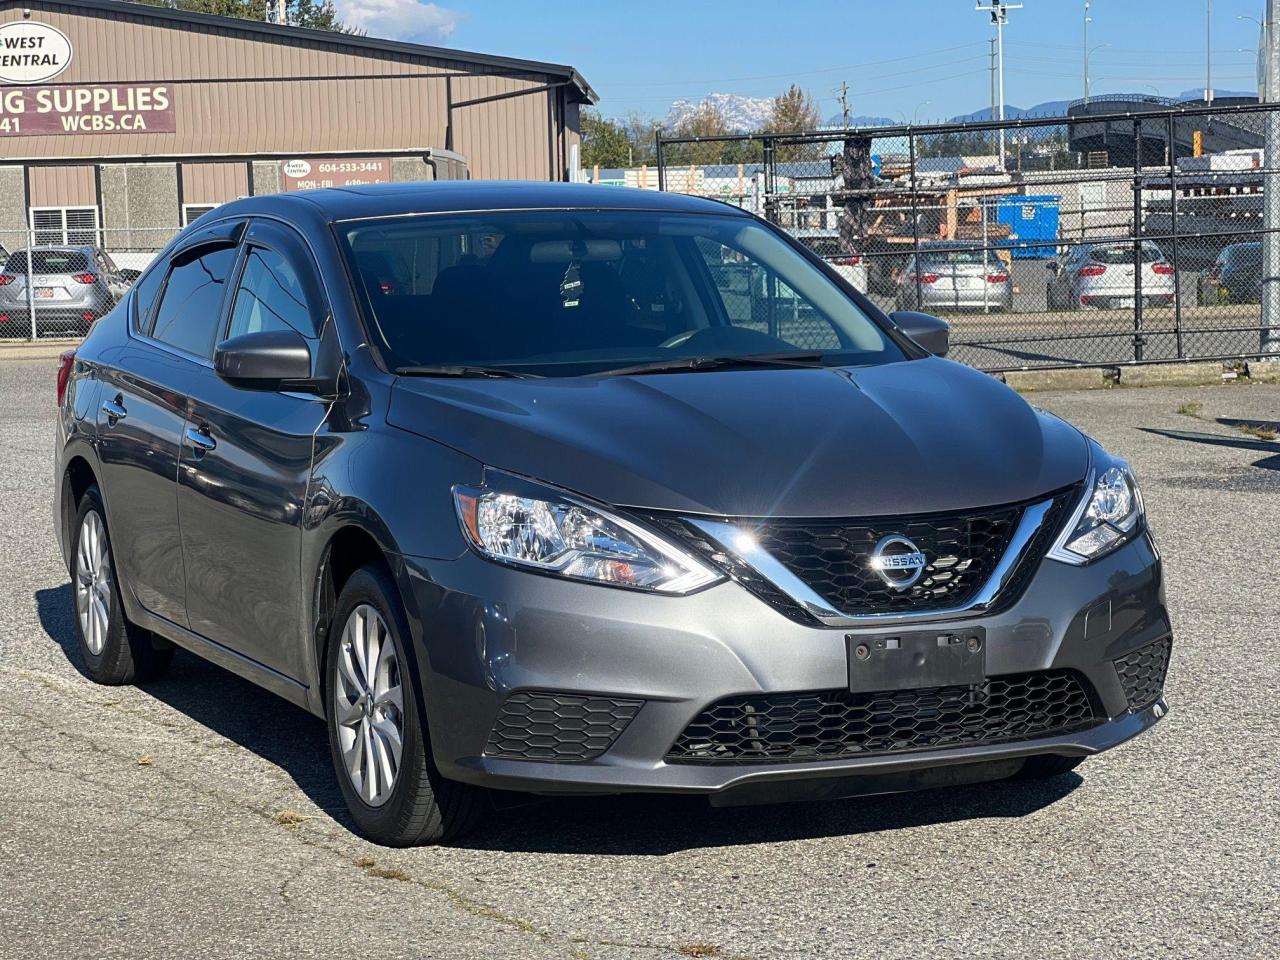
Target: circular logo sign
x=898, y=561
x=32, y=52
x=297, y=168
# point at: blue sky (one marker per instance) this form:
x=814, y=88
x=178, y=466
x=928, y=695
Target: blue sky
x=923, y=58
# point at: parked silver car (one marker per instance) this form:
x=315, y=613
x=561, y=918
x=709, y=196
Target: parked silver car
x=72, y=286
x=952, y=275
x=1102, y=275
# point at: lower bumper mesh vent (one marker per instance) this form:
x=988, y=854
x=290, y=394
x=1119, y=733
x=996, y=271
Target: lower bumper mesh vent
x=561, y=727
x=836, y=724
x=1142, y=672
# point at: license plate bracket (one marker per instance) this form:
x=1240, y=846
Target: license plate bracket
x=914, y=659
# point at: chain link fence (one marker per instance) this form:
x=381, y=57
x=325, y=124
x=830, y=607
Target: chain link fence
x=1128, y=230
x=58, y=279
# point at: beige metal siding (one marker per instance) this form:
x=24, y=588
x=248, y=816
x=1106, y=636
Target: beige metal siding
x=503, y=139
x=237, y=93
x=214, y=182
x=63, y=186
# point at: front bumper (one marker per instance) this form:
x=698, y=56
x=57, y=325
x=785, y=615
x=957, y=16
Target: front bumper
x=483, y=632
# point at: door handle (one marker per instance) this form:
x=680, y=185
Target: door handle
x=200, y=440
x=114, y=410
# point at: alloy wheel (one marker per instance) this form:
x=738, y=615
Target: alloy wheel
x=93, y=582
x=369, y=705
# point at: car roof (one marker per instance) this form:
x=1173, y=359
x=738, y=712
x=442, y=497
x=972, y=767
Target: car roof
x=396, y=199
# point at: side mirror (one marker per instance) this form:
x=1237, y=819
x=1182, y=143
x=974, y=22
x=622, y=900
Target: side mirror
x=930, y=332
x=267, y=360
x=1052, y=266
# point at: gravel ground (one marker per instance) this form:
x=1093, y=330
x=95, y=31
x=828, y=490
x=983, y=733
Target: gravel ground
x=198, y=815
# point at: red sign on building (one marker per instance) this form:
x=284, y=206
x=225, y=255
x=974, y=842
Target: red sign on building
x=77, y=110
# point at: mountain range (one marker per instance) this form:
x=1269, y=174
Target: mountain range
x=744, y=114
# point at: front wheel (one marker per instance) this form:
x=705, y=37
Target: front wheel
x=114, y=650
x=377, y=725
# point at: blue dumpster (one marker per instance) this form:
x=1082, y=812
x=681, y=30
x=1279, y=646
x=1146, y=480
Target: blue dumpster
x=1030, y=219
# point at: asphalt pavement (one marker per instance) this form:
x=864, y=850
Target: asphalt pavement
x=198, y=816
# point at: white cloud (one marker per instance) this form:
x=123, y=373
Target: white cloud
x=400, y=19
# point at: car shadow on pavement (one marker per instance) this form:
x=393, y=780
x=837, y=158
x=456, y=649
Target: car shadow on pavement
x=257, y=720
x=1218, y=440
x=655, y=825
x=640, y=825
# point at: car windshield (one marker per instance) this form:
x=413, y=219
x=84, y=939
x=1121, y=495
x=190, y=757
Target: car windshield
x=47, y=261
x=570, y=293
x=1122, y=253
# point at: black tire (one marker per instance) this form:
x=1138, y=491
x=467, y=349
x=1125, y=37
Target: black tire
x=423, y=807
x=1050, y=300
x=1046, y=767
x=128, y=653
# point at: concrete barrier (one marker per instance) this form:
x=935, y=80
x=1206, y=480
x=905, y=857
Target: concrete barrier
x=1171, y=375
x=1091, y=378
x=1264, y=371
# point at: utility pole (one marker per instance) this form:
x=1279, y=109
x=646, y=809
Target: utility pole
x=1085, y=48
x=1208, y=52
x=1270, y=338
x=278, y=11
x=992, y=41
x=999, y=11
x=844, y=102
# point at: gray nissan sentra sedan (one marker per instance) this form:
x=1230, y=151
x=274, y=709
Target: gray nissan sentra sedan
x=573, y=489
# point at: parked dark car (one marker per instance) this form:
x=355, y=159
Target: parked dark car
x=70, y=288
x=521, y=486
x=1234, y=277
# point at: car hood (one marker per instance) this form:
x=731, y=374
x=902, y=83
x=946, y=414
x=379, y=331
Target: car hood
x=911, y=437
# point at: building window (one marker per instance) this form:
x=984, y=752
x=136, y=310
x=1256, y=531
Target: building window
x=64, y=225
x=191, y=212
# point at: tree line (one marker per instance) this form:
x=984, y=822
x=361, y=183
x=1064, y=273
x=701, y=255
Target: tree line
x=315, y=14
x=630, y=141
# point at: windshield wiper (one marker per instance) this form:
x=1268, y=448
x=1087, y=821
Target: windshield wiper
x=808, y=361
x=462, y=370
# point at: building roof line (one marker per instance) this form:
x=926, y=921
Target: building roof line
x=322, y=37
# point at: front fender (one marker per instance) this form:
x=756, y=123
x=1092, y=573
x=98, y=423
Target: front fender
x=395, y=487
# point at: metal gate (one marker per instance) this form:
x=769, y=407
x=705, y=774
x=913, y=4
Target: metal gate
x=1126, y=231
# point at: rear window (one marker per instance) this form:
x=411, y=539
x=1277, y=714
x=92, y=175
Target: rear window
x=1122, y=253
x=937, y=257
x=827, y=247
x=48, y=261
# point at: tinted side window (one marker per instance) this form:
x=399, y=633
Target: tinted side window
x=145, y=296
x=270, y=297
x=188, y=314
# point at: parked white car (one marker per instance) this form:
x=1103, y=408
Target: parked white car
x=849, y=265
x=1102, y=275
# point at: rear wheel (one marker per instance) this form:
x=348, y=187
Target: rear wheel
x=377, y=725
x=114, y=650
x=1046, y=767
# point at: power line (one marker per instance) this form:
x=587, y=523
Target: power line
x=802, y=73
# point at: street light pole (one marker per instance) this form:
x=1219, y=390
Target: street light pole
x=1087, y=55
x=1208, y=52
x=999, y=11
x=1085, y=46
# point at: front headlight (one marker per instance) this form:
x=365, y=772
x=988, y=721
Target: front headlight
x=519, y=522
x=1110, y=514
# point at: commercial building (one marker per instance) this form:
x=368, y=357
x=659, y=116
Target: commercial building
x=122, y=122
